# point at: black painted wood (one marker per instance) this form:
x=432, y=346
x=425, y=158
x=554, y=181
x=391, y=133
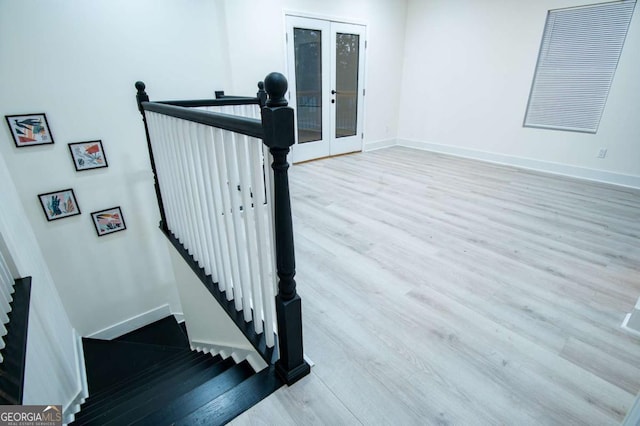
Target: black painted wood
x=229, y=405
x=190, y=362
x=141, y=96
x=165, y=331
x=243, y=125
x=277, y=119
x=258, y=341
x=14, y=353
x=224, y=101
x=191, y=401
x=137, y=403
x=183, y=358
x=124, y=359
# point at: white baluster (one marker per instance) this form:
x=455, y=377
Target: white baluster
x=224, y=183
x=231, y=151
x=197, y=189
x=249, y=201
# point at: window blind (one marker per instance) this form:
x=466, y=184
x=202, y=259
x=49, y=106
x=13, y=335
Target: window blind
x=578, y=58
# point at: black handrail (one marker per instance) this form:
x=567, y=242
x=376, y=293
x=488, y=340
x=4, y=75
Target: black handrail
x=225, y=101
x=244, y=125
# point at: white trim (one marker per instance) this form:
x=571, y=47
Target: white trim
x=380, y=144
x=603, y=176
x=633, y=415
x=308, y=360
x=133, y=323
x=289, y=12
x=73, y=406
x=625, y=326
x=238, y=354
x=179, y=316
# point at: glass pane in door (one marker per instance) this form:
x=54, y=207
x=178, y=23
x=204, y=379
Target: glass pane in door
x=347, y=59
x=308, y=64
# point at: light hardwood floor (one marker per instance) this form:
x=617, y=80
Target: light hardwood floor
x=446, y=291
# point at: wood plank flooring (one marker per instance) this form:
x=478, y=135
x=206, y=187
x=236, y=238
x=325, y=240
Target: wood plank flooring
x=446, y=291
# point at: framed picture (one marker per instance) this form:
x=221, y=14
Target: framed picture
x=59, y=204
x=108, y=221
x=29, y=129
x=88, y=155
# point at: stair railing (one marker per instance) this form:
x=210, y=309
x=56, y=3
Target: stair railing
x=15, y=295
x=227, y=213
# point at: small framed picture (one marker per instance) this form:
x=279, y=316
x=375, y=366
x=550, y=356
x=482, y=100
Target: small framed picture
x=88, y=155
x=108, y=221
x=59, y=204
x=29, y=129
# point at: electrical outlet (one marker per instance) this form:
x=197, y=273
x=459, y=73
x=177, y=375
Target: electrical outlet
x=602, y=153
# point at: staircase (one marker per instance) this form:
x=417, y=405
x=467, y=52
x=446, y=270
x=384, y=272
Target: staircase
x=152, y=377
x=13, y=355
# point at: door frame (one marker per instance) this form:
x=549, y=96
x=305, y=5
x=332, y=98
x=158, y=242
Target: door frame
x=329, y=19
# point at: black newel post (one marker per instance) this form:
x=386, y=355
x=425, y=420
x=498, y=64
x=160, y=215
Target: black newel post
x=141, y=97
x=277, y=121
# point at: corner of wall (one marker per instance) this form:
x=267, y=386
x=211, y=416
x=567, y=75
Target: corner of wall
x=379, y=144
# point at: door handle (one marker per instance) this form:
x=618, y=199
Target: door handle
x=333, y=92
x=333, y=101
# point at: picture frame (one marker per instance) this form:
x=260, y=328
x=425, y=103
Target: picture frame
x=29, y=129
x=88, y=155
x=108, y=221
x=59, y=204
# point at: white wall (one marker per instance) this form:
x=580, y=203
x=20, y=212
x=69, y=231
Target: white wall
x=77, y=61
x=54, y=363
x=466, y=80
x=256, y=35
x=207, y=323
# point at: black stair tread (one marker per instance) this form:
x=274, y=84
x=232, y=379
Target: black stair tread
x=232, y=403
x=194, y=364
x=173, y=373
x=166, y=331
x=10, y=385
x=140, y=403
x=108, y=361
x=152, y=370
x=189, y=402
x=6, y=399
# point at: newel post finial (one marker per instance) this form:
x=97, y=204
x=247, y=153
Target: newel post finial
x=141, y=96
x=262, y=94
x=276, y=86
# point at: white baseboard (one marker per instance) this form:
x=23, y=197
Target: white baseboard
x=133, y=323
x=238, y=354
x=625, y=326
x=372, y=146
x=527, y=163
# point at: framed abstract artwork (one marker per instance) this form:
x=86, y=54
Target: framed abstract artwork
x=108, y=221
x=88, y=155
x=29, y=129
x=59, y=204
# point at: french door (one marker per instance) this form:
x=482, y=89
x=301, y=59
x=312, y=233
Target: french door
x=325, y=68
